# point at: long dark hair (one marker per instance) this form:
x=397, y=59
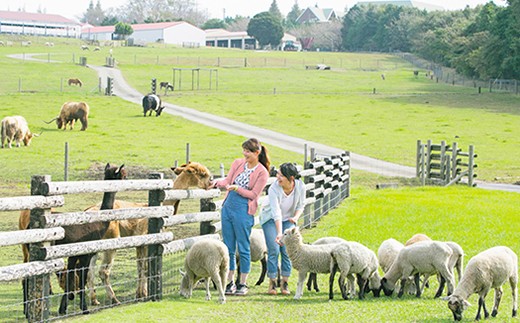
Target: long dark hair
x=252, y=144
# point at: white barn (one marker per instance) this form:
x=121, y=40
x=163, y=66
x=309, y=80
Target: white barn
x=176, y=33
x=39, y=24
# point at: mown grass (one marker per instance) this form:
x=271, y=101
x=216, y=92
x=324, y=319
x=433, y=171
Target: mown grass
x=474, y=218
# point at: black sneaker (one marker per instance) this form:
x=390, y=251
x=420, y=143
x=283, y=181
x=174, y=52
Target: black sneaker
x=231, y=288
x=242, y=290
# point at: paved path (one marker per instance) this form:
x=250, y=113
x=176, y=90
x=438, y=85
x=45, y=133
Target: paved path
x=126, y=92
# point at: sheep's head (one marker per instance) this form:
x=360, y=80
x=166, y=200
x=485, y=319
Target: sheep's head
x=185, y=288
x=374, y=284
x=387, y=287
x=292, y=234
x=457, y=305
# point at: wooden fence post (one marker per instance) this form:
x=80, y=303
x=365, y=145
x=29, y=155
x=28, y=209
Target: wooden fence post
x=471, y=165
x=155, y=198
x=454, y=156
x=37, y=288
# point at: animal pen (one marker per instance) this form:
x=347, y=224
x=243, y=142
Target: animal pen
x=327, y=181
x=211, y=77
x=445, y=164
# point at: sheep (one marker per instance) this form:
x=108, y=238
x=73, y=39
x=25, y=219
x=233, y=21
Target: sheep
x=354, y=258
x=258, y=253
x=312, y=281
x=306, y=258
x=425, y=257
x=387, y=252
x=416, y=238
x=489, y=269
x=207, y=259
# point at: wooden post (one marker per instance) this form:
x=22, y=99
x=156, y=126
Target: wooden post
x=428, y=158
x=37, y=288
x=471, y=165
x=454, y=156
x=418, y=159
x=187, y=152
x=155, y=198
x=442, y=161
x=347, y=193
x=66, y=163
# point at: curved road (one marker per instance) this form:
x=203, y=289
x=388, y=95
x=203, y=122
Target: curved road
x=126, y=92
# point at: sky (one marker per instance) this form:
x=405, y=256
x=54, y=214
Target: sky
x=73, y=9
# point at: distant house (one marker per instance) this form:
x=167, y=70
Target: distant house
x=176, y=33
x=403, y=3
x=315, y=14
x=241, y=40
x=39, y=24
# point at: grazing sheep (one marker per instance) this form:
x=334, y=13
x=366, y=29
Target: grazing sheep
x=312, y=281
x=387, y=252
x=306, y=258
x=489, y=269
x=425, y=257
x=354, y=258
x=84, y=47
x=258, y=253
x=206, y=259
x=416, y=238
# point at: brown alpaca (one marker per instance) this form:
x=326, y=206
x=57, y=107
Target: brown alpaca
x=188, y=175
x=82, y=233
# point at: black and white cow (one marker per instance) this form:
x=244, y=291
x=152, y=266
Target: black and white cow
x=152, y=102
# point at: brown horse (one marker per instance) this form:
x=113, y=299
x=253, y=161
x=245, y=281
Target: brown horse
x=75, y=82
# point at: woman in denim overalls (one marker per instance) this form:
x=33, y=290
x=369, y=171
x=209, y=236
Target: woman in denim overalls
x=244, y=184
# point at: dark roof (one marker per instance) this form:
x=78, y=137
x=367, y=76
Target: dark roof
x=34, y=17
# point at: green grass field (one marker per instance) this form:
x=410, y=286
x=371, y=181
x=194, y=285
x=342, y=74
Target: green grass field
x=336, y=107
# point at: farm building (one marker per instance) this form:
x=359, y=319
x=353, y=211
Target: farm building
x=40, y=24
x=241, y=40
x=177, y=33
x=403, y=3
x=315, y=14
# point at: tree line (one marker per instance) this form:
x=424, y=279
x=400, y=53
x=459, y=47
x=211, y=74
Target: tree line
x=481, y=42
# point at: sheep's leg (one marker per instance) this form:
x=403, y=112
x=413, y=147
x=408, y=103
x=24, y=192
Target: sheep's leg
x=221, y=283
x=425, y=282
x=513, y=281
x=351, y=285
x=417, y=284
x=206, y=285
x=331, y=281
x=498, y=297
x=310, y=281
x=361, y=283
x=91, y=281
x=403, y=285
x=299, y=287
x=441, y=287
x=482, y=305
x=261, y=279
x=142, y=270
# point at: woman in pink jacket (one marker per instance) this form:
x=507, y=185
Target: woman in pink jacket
x=244, y=184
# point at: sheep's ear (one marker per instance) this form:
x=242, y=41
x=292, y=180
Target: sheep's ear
x=466, y=304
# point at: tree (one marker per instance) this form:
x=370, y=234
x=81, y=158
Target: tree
x=139, y=11
x=275, y=11
x=123, y=30
x=238, y=23
x=214, y=24
x=94, y=14
x=266, y=29
x=290, y=21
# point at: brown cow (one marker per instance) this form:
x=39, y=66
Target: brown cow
x=15, y=128
x=71, y=112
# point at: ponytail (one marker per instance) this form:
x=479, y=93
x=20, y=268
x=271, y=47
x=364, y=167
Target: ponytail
x=263, y=158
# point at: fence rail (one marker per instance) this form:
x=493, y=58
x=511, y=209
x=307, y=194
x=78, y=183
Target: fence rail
x=327, y=180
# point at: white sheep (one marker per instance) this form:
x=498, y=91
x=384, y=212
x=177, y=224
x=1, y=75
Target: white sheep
x=312, y=281
x=489, y=269
x=425, y=257
x=208, y=258
x=387, y=252
x=416, y=238
x=258, y=253
x=354, y=258
x=306, y=258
